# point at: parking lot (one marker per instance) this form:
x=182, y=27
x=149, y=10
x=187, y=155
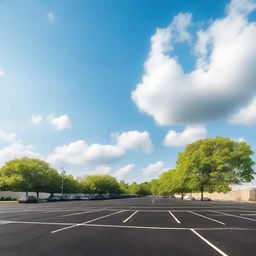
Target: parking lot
x=137, y=226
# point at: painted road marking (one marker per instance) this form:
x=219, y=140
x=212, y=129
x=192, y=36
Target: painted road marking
x=122, y=226
x=209, y=243
x=130, y=216
x=105, y=216
x=38, y=223
x=222, y=223
x=174, y=217
x=232, y=215
x=248, y=214
x=78, y=213
x=73, y=226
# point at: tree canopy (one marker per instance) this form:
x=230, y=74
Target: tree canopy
x=210, y=165
x=27, y=174
x=100, y=184
x=215, y=164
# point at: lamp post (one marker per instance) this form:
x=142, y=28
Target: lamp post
x=62, y=180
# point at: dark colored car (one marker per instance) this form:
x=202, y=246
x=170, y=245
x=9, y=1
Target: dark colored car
x=55, y=199
x=28, y=199
x=83, y=198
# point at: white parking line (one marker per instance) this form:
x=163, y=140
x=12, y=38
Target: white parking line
x=248, y=214
x=130, y=216
x=105, y=216
x=37, y=223
x=73, y=226
x=174, y=217
x=222, y=223
x=209, y=243
x=232, y=215
x=78, y=213
x=122, y=226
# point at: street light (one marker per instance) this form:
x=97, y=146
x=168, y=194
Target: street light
x=62, y=180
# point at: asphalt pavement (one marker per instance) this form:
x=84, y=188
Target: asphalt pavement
x=130, y=227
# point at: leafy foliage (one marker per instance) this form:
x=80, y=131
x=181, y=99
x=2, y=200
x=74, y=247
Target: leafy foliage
x=215, y=164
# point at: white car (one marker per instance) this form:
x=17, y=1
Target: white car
x=188, y=198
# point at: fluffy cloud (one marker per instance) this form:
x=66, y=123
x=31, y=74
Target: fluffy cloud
x=1, y=72
x=245, y=116
x=155, y=168
x=79, y=152
x=51, y=17
x=240, y=139
x=120, y=173
x=7, y=137
x=59, y=123
x=101, y=170
x=134, y=140
x=189, y=135
x=224, y=76
x=17, y=150
x=36, y=119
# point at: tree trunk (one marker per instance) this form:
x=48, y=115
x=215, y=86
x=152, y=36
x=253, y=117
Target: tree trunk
x=26, y=193
x=37, y=194
x=202, y=192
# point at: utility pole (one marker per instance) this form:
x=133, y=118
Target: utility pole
x=62, y=180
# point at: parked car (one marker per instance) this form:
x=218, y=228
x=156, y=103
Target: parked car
x=68, y=198
x=188, y=197
x=207, y=199
x=83, y=198
x=171, y=196
x=97, y=197
x=28, y=199
x=178, y=196
x=55, y=199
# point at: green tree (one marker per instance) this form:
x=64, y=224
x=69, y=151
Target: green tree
x=124, y=187
x=215, y=164
x=28, y=174
x=140, y=189
x=172, y=181
x=154, y=187
x=101, y=184
x=53, y=184
x=71, y=185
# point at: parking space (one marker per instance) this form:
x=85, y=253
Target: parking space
x=138, y=226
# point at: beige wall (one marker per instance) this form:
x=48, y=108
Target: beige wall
x=234, y=195
x=18, y=195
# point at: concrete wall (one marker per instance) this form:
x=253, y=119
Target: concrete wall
x=18, y=195
x=234, y=195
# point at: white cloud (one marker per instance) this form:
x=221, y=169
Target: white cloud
x=189, y=135
x=51, y=18
x=224, y=77
x=120, y=173
x=36, y=119
x=240, y=139
x=134, y=140
x=1, y=72
x=17, y=150
x=155, y=168
x=60, y=123
x=101, y=170
x=246, y=115
x=7, y=137
x=79, y=152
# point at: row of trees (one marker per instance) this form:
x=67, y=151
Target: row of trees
x=210, y=165
x=206, y=165
x=29, y=174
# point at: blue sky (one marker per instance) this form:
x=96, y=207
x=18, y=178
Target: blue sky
x=96, y=86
